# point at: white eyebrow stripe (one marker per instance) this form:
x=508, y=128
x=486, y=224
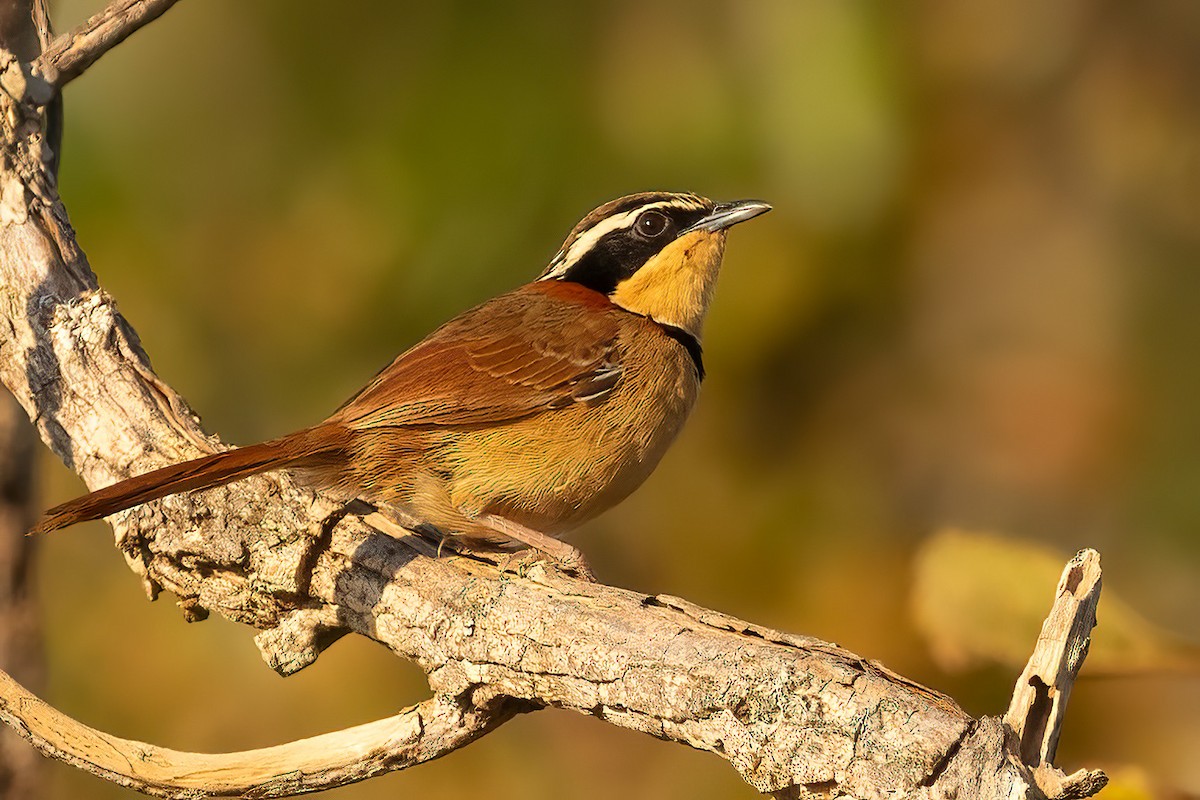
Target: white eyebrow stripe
x=586, y=241
x=595, y=233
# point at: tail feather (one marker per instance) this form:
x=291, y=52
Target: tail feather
x=318, y=444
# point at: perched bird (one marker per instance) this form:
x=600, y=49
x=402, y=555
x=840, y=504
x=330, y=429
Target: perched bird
x=525, y=416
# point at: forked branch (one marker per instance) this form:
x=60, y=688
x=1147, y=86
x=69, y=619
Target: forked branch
x=793, y=715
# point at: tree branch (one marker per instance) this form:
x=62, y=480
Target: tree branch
x=71, y=54
x=1039, y=702
x=793, y=715
x=422, y=733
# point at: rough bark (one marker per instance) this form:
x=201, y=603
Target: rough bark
x=67, y=57
x=794, y=716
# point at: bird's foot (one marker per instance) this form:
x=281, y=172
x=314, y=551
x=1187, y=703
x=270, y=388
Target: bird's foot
x=542, y=547
x=520, y=563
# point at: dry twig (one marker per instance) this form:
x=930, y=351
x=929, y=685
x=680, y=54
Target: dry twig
x=1039, y=701
x=70, y=54
x=415, y=735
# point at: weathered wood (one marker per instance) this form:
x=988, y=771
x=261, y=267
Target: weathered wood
x=67, y=57
x=1039, y=701
x=415, y=735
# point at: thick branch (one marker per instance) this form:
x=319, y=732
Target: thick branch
x=71, y=54
x=795, y=716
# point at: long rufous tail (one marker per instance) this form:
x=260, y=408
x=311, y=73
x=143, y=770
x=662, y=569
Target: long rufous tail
x=321, y=444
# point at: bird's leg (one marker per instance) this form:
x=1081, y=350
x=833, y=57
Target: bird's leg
x=399, y=523
x=567, y=556
x=419, y=536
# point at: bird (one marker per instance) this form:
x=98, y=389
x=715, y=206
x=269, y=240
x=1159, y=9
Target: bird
x=523, y=417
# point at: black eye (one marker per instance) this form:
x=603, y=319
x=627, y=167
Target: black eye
x=651, y=223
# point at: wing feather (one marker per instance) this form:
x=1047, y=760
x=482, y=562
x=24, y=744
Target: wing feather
x=543, y=346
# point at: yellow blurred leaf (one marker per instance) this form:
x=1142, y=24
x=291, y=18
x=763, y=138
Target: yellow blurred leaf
x=979, y=598
x=1131, y=782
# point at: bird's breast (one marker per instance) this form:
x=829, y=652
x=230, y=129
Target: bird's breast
x=554, y=470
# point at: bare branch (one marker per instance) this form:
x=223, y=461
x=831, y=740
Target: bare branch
x=41, y=23
x=70, y=54
x=1039, y=701
x=416, y=735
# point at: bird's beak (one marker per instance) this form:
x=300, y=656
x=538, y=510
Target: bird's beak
x=726, y=214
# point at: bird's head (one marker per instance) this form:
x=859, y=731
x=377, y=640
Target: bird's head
x=654, y=253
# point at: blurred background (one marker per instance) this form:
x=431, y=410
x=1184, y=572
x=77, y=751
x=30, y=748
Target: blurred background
x=965, y=344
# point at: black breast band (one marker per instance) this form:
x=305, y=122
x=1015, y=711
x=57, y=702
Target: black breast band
x=689, y=342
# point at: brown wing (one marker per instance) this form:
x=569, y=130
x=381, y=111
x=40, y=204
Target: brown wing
x=545, y=345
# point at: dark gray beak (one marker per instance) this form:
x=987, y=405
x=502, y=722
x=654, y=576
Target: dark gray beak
x=726, y=214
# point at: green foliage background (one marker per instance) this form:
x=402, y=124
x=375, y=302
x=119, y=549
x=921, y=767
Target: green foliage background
x=974, y=304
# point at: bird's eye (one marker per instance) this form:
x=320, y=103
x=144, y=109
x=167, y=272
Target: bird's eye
x=651, y=223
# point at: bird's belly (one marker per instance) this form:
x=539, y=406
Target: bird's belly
x=555, y=470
